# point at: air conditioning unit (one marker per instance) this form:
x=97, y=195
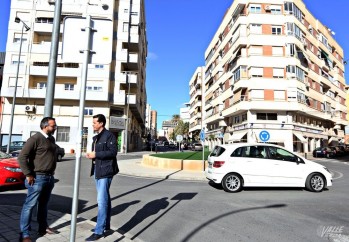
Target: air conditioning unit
x=267, y=7
x=29, y=109
x=51, y=1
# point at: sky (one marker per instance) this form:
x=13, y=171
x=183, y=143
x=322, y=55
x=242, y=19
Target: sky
x=178, y=34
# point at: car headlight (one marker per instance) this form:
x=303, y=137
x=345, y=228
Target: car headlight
x=326, y=169
x=13, y=169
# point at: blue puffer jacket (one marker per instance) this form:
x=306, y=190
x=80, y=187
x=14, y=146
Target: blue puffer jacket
x=105, y=163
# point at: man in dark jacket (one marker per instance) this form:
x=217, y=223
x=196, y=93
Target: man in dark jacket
x=104, y=167
x=38, y=163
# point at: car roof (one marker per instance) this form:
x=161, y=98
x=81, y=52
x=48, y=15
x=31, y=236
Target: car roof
x=235, y=145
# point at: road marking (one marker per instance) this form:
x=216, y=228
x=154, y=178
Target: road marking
x=340, y=175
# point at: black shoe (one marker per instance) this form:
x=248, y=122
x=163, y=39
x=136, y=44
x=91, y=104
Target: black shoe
x=94, y=237
x=107, y=230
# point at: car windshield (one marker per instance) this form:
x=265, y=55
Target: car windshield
x=4, y=155
x=217, y=151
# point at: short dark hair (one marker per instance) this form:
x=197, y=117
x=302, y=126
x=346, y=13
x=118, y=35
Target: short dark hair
x=44, y=122
x=100, y=118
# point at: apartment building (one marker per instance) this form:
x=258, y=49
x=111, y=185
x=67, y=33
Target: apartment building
x=273, y=73
x=151, y=123
x=196, y=92
x=116, y=90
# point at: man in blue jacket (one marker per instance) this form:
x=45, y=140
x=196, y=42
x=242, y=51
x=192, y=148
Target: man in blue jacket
x=104, y=167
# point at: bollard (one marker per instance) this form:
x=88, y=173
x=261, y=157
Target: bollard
x=305, y=155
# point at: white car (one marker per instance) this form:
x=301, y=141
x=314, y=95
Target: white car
x=264, y=165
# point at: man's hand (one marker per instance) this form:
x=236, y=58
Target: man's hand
x=91, y=155
x=30, y=180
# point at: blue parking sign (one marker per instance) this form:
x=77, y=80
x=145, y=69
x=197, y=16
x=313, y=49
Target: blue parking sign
x=202, y=135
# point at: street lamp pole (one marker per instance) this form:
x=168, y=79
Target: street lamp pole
x=17, y=20
x=128, y=105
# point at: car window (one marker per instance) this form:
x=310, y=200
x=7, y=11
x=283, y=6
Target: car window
x=238, y=152
x=277, y=153
x=255, y=152
x=217, y=151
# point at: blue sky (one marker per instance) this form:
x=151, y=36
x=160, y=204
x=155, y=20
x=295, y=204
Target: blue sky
x=178, y=35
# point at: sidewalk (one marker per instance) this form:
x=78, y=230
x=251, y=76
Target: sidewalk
x=9, y=222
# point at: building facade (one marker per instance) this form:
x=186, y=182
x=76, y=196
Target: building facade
x=196, y=92
x=116, y=90
x=273, y=73
x=184, y=113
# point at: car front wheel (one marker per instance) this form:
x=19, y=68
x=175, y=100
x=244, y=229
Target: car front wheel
x=315, y=182
x=232, y=182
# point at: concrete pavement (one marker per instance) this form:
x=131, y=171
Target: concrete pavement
x=9, y=222
x=10, y=215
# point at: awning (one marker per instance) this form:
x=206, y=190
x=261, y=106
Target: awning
x=300, y=137
x=237, y=136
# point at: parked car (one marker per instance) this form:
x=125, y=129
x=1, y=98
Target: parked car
x=324, y=152
x=10, y=172
x=14, y=145
x=338, y=151
x=343, y=149
x=60, y=153
x=264, y=165
x=196, y=147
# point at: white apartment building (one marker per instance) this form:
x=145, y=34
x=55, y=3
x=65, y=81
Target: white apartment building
x=196, y=92
x=184, y=113
x=116, y=90
x=273, y=73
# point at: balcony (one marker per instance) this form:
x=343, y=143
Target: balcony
x=120, y=98
x=133, y=57
x=132, y=77
x=60, y=72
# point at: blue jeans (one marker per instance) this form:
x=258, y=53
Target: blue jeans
x=104, y=204
x=38, y=194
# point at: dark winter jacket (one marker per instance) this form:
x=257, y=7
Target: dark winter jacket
x=105, y=146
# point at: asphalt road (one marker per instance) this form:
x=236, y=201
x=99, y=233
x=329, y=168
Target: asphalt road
x=166, y=210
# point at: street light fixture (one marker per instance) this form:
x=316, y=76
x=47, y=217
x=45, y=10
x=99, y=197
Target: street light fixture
x=26, y=27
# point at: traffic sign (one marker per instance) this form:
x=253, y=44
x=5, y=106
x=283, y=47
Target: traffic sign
x=179, y=138
x=264, y=135
x=202, y=135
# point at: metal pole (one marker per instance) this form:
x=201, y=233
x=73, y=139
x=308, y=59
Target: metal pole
x=128, y=105
x=50, y=89
x=80, y=129
x=15, y=91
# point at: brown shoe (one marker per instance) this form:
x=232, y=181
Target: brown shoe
x=26, y=239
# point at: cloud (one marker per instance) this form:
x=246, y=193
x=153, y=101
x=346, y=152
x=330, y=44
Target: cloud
x=152, y=56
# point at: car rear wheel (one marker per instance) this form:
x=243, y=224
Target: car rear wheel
x=315, y=182
x=232, y=182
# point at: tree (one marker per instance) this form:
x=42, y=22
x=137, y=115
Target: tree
x=181, y=128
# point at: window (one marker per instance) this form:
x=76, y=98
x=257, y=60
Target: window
x=256, y=72
x=99, y=66
x=236, y=119
x=295, y=72
x=94, y=88
x=278, y=72
x=267, y=116
x=274, y=9
x=69, y=87
x=63, y=134
x=244, y=117
x=17, y=37
x=256, y=50
x=255, y=29
x=12, y=82
x=279, y=95
x=255, y=8
x=14, y=59
x=88, y=111
x=290, y=49
x=277, y=51
x=257, y=94
x=41, y=85
x=276, y=30
x=125, y=27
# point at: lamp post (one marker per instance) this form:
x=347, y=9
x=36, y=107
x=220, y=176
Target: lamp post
x=127, y=108
x=26, y=27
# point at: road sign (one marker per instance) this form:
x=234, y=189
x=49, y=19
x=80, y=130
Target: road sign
x=202, y=135
x=264, y=135
x=179, y=138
